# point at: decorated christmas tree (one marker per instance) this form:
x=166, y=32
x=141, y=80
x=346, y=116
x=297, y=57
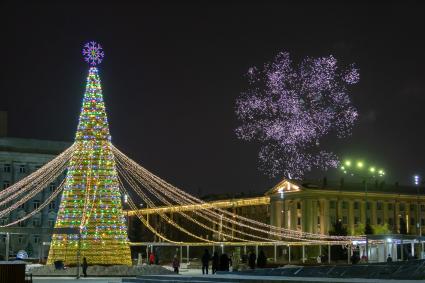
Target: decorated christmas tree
x=91, y=201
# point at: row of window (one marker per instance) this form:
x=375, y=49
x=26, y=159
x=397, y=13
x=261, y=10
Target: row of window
x=20, y=238
x=36, y=204
x=379, y=205
x=7, y=168
x=36, y=222
x=52, y=186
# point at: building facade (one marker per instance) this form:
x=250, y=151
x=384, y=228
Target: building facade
x=19, y=158
x=316, y=207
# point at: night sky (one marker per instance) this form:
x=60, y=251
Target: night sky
x=172, y=72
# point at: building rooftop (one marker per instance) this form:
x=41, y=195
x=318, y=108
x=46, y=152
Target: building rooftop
x=372, y=186
x=23, y=145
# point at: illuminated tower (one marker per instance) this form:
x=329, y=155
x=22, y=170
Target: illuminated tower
x=91, y=201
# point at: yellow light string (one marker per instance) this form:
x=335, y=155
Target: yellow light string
x=285, y=232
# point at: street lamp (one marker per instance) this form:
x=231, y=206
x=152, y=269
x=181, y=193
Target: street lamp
x=358, y=170
x=418, y=220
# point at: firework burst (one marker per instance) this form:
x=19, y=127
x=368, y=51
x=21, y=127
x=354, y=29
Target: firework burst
x=290, y=107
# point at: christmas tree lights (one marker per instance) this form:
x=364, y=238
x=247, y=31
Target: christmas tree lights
x=91, y=200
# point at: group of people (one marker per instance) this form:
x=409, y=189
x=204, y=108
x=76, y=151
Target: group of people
x=222, y=262
x=260, y=261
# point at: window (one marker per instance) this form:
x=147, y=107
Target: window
x=6, y=184
x=36, y=222
x=356, y=205
x=379, y=205
x=36, y=239
x=423, y=222
x=51, y=223
x=344, y=205
x=3, y=238
x=368, y=220
x=299, y=221
x=318, y=219
x=3, y=221
x=22, y=169
x=390, y=221
x=20, y=239
x=422, y=207
x=52, y=205
x=412, y=221
x=390, y=206
x=52, y=187
x=36, y=204
x=401, y=206
x=6, y=168
x=412, y=207
x=298, y=205
x=22, y=206
x=368, y=205
x=379, y=221
x=344, y=220
x=21, y=224
x=356, y=220
x=332, y=204
x=333, y=219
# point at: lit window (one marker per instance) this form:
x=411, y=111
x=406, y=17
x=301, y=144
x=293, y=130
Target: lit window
x=6, y=168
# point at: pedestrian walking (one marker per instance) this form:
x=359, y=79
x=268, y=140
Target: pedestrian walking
x=251, y=260
x=205, y=260
x=215, y=262
x=176, y=264
x=85, y=265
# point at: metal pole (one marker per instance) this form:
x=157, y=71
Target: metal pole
x=7, y=246
x=187, y=253
x=329, y=253
x=79, y=255
x=303, y=253
x=275, y=256
x=289, y=254
x=348, y=254
x=222, y=248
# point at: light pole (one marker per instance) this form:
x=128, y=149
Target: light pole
x=358, y=169
x=416, y=179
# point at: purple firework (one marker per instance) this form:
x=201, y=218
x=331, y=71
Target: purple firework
x=289, y=108
x=93, y=53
